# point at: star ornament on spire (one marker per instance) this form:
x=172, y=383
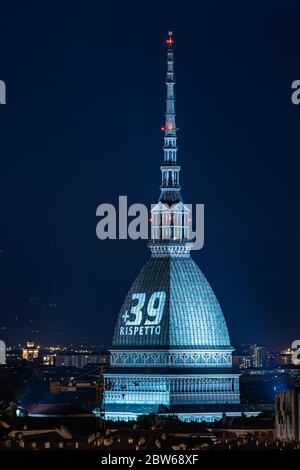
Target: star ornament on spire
x=170, y=40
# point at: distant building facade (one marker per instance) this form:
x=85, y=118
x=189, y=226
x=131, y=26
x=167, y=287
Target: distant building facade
x=30, y=351
x=258, y=356
x=49, y=359
x=79, y=360
x=241, y=362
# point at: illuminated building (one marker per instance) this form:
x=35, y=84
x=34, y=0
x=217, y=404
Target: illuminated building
x=49, y=360
x=286, y=356
x=258, y=355
x=79, y=360
x=171, y=351
x=241, y=362
x=31, y=351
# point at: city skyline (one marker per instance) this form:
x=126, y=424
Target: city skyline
x=59, y=283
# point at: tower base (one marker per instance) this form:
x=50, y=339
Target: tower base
x=191, y=394
x=197, y=413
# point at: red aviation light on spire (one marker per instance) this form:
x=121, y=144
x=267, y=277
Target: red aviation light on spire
x=170, y=40
x=169, y=127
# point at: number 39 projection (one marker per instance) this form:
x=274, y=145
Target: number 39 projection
x=151, y=314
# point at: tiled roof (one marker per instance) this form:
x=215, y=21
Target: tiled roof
x=55, y=410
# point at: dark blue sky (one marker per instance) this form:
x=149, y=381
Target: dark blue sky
x=85, y=103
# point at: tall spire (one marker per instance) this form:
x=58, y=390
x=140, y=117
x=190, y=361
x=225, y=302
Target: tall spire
x=170, y=217
x=170, y=147
x=170, y=170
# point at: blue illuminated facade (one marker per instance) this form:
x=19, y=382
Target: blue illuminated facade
x=171, y=351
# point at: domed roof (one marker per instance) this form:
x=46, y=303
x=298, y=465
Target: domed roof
x=171, y=305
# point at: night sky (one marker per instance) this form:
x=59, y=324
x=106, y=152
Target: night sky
x=85, y=104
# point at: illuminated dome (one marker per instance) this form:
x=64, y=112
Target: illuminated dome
x=191, y=316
